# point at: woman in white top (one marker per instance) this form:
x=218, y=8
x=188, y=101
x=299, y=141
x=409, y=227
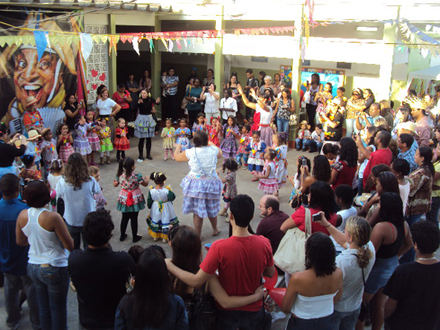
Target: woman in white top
x=77, y=189
x=355, y=261
x=263, y=114
x=211, y=97
x=202, y=187
x=47, y=237
x=108, y=108
x=311, y=294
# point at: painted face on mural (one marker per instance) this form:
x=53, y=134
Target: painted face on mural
x=34, y=80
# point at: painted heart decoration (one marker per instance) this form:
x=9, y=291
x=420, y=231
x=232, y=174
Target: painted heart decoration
x=94, y=73
x=94, y=86
x=102, y=77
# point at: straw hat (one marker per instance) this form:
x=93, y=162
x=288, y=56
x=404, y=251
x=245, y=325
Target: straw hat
x=43, y=133
x=33, y=135
x=408, y=125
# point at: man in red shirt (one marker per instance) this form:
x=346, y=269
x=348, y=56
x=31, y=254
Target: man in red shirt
x=241, y=261
x=382, y=155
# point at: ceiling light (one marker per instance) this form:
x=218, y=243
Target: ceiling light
x=367, y=28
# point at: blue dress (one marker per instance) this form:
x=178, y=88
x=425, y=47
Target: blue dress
x=182, y=138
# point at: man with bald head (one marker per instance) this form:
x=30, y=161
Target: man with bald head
x=269, y=227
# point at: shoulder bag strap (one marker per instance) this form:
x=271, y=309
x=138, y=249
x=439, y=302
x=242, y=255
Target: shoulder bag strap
x=308, y=222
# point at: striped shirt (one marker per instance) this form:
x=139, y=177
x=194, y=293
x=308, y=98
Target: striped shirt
x=172, y=80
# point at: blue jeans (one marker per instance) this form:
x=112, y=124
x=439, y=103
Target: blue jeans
x=13, y=285
x=283, y=125
x=345, y=320
x=360, y=186
x=312, y=145
x=350, y=125
x=299, y=142
x=76, y=233
x=323, y=323
x=52, y=285
x=243, y=320
x=435, y=207
x=411, y=254
x=245, y=158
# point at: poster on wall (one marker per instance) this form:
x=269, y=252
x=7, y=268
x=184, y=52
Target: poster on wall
x=335, y=77
x=37, y=75
x=286, y=73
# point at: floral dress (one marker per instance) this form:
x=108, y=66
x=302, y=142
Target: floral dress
x=182, y=138
x=105, y=139
x=131, y=198
x=230, y=187
x=121, y=140
x=169, y=137
x=229, y=143
x=81, y=142
x=214, y=134
x=269, y=185
x=196, y=127
x=162, y=213
x=93, y=137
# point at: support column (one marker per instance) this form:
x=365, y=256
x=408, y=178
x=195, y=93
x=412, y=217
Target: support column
x=219, y=60
x=386, y=68
x=112, y=66
x=156, y=64
x=296, y=70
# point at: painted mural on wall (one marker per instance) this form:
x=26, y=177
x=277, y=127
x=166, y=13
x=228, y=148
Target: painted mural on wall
x=35, y=78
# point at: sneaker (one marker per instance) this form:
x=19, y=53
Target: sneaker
x=137, y=238
x=166, y=158
x=140, y=160
x=149, y=157
x=123, y=237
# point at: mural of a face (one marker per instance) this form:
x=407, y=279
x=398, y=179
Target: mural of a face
x=35, y=81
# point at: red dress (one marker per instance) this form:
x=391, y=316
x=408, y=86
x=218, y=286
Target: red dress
x=121, y=141
x=214, y=135
x=256, y=124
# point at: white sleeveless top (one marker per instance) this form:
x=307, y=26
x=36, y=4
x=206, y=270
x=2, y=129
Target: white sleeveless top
x=313, y=307
x=44, y=246
x=265, y=116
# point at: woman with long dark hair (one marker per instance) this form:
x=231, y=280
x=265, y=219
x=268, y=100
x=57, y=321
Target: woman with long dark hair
x=321, y=172
x=311, y=294
x=345, y=167
x=391, y=238
x=151, y=305
x=77, y=188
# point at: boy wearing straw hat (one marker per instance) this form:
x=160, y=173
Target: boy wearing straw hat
x=303, y=135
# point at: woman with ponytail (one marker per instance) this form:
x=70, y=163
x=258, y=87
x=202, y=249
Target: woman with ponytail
x=356, y=263
x=131, y=199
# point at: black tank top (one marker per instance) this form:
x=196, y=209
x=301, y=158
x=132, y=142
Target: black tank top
x=387, y=251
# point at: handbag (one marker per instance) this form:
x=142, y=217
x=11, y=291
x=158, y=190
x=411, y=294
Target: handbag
x=291, y=254
x=185, y=102
x=202, y=313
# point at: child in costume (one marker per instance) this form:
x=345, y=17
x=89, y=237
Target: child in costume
x=131, y=200
x=100, y=200
x=303, y=135
x=214, y=131
x=244, y=142
x=48, y=150
x=281, y=148
x=199, y=124
x=231, y=133
x=29, y=173
x=81, y=142
x=268, y=180
x=182, y=134
x=95, y=145
x=169, y=138
x=230, y=187
x=33, y=147
x=162, y=215
x=104, y=134
x=256, y=148
x=121, y=141
x=65, y=142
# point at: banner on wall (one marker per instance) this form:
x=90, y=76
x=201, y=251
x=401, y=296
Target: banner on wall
x=335, y=77
x=286, y=73
x=37, y=73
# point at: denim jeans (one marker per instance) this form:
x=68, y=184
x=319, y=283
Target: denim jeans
x=312, y=145
x=411, y=254
x=345, y=320
x=52, y=285
x=13, y=285
x=76, y=233
x=322, y=323
x=232, y=320
x=245, y=158
x=350, y=125
x=435, y=207
x=299, y=143
x=360, y=186
x=283, y=125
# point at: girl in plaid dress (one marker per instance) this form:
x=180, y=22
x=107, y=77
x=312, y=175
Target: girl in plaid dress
x=92, y=136
x=65, y=142
x=121, y=141
x=268, y=180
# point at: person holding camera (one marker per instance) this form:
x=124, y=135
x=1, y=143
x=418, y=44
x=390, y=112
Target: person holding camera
x=211, y=99
x=321, y=198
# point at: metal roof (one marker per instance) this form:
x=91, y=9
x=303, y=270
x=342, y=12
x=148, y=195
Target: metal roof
x=104, y=4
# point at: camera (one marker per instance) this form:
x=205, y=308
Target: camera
x=304, y=162
x=316, y=217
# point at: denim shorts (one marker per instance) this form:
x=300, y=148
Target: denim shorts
x=380, y=274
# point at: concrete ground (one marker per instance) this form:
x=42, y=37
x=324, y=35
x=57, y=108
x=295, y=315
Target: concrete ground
x=175, y=172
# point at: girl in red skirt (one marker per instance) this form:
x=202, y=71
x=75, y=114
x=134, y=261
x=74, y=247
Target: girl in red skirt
x=121, y=141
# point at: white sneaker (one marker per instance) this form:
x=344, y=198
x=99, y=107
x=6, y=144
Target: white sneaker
x=139, y=160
